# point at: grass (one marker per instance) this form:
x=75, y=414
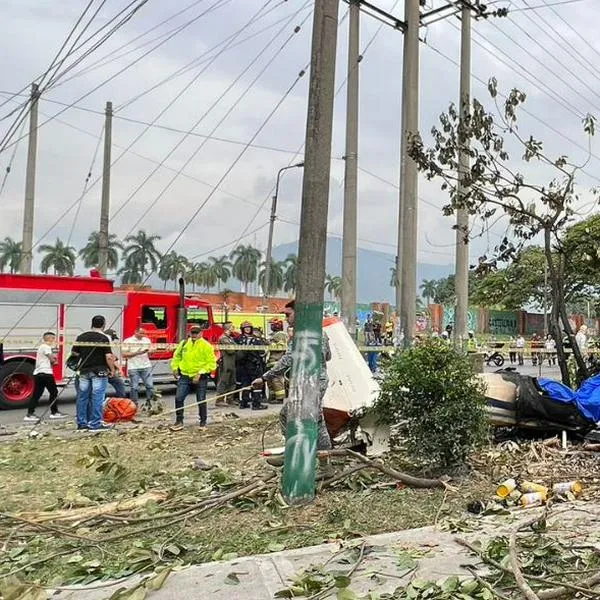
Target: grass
x=56, y=473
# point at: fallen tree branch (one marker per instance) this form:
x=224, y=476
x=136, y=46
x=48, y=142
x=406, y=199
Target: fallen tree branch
x=76, y=514
x=514, y=558
x=485, y=584
x=405, y=478
x=329, y=482
x=561, y=589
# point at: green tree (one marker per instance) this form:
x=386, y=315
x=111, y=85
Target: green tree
x=90, y=253
x=434, y=404
x=333, y=285
x=290, y=277
x=172, y=267
x=59, y=257
x=445, y=290
x=221, y=266
x=533, y=206
x=428, y=288
x=131, y=273
x=10, y=255
x=140, y=250
x=246, y=260
x=276, y=277
x=194, y=274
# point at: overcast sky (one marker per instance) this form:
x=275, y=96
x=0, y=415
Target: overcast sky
x=551, y=53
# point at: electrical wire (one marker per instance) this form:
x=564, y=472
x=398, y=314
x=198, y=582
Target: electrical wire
x=106, y=59
x=10, y=162
x=209, y=110
x=140, y=4
x=85, y=184
x=573, y=52
x=236, y=160
x=197, y=62
x=544, y=5
x=524, y=110
x=217, y=4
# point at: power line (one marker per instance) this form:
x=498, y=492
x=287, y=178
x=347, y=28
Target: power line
x=197, y=62
x=218, y=4
x=237, y=159
x=513, y=10
x=10, y=161
x=222, y=120
x=566, y=46
x=96, y=64
x=85, y=184
x=524, y=110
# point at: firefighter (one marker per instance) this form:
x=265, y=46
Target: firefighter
x=226, y=383
x=471, y=342
x=249, y=364
x=278, y=345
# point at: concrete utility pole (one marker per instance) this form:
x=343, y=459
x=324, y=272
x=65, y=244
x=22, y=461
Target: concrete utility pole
x=105, y=206
x=303, y=404
x=409, y=178
x=29, y=207
x=461, y=311
x=269, y=256
x=351, y=174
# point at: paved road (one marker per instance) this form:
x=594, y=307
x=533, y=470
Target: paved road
x=67, y=406
x=67, y=397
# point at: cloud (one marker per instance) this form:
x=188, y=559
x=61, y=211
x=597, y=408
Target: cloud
x=31, y=31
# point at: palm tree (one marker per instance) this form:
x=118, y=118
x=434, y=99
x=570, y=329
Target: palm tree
x=60, y=258
x=209, y=275
x=222, y=269
x=90, y=253
x=276, y=277
x=131, y=273
x=141, y=252
x=393, y=277
x=172, y=266
x=245, y=264
x=290, y=277
x=333, y=284
x=194, y=274
x=10, y=255
x=428, y=287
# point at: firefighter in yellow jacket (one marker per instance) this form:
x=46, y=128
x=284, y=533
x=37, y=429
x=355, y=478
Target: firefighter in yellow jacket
x=193, y=361
x=278, y=343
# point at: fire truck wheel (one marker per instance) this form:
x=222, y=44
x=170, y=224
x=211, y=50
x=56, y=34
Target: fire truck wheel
x=16, y=384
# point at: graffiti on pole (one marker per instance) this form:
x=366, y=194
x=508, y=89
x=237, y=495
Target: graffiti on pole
x=303, y=406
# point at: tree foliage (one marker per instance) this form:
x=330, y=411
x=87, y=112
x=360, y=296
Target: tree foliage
x=535, y=205
x=10, y=255
x=90, y=253
x=58, y=257
x=434, y=403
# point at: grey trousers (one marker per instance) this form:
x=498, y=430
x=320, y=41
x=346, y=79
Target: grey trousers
x=323, y=439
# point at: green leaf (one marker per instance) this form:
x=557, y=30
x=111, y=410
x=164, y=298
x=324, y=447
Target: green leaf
x=275, y=547
x=217, y=555
x=346, y=594
x=75, y=559
x=229, y=556
x=342, y=581
x=287, y=593
x=406, y=561
x=157, y=581
x=468, y=587
x=451, y=584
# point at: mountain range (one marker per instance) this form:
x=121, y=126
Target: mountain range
x=373, y=269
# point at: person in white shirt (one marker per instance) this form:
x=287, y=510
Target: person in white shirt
x=139, y=367
x=44, y=379
x=581, y=339
x=550, y=346
x=520, y=345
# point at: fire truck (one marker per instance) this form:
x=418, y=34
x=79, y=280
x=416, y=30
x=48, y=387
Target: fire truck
x=33, y=304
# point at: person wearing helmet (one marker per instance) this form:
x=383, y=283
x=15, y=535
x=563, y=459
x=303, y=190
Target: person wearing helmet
x=249, y=365
x=278, y=342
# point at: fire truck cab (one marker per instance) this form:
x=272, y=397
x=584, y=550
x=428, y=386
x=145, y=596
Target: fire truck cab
x=33, y=304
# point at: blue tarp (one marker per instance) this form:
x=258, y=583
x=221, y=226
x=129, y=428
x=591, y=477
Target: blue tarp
x=586, y=398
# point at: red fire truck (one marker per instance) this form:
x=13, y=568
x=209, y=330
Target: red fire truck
x=32, y=304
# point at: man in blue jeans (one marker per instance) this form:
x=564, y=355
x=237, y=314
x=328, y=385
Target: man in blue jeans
x=139, y=367
x=96, y=364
